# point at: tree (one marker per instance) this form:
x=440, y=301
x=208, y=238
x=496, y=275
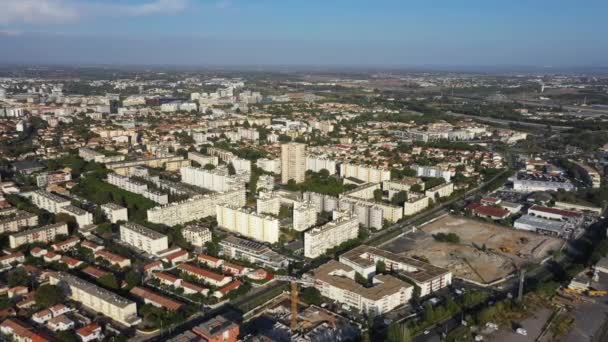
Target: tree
x=108, y=280
x=212, y=248
x=209, y=167
x=18, y=277
x=312, y=296
x=231, y=169
x=49, y=295
x=416, y=188
x=399, y=198
x=378, y=194
x=398, y=332
x=132, y=278
x=359, y=278
x=380, y=267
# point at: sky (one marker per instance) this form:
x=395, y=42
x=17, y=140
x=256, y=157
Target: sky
x=341, y=33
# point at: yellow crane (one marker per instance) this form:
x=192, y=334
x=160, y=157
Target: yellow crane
x=304, y=281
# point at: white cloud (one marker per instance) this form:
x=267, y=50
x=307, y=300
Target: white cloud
x=36, y=11
x=62, y=11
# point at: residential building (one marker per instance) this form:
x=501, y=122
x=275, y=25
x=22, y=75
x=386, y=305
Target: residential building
x=318, y=163
x=218, y=180
x=442, y=190
x=269, y=165
x=12, y=220
x=143, y=238
x=268, y=203
x=254, y=252
x=20, y=332
x=155, y=299
x=218, y=329
x=428, y=278
x=415, y=204
x=246, y=223
x=204, y=275
x=336, y=281
x=44, y=234
x=293, y=162
x=53, y=177
x=115, y=212
x=195, y=208
x=405, y=184
x=304, y=216
x=318, y=240
x=96, y=298
x=202, y=159
x=197, y=235
x=430, y=171
x=367, y=174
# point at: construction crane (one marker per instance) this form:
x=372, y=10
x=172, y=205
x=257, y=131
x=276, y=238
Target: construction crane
x=305, y=281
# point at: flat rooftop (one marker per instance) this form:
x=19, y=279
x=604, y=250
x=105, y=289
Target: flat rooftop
x=364, y=256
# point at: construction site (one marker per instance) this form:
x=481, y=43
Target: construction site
x=485, y=252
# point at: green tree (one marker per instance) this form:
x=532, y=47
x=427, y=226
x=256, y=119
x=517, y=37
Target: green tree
x=380, y=267
x=231, y=169
x=378, y=194
x=209, y=167
x=399, y=198
x=416, y=188
x=109, y=281
x=312, y=296
x=49, y=295
x=398, y=332
x=132, y=278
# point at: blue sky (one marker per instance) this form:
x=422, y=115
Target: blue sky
x=306, y=32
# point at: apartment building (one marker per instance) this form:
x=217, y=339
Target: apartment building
x=12, y=220
x=92, y=155
x=405, y=184
x=415, y=204
x=293, y=162
x=83, y=217
x=197, y=235
x=365, y=191
x=169, y=163
x=269, y=165
x=428, y=278
x=202, y=159
x=49, y=201
x=318, y=163
x=248, y=134
x=195, y=208
x=430, y=171
x=115, y=212
x=336, y=281
x=266, y=182
x=215, y=180
x=304, y=216
x=218, y=329
x=254, y=252
x=96, y=298
x=320, y=239
x=145, y=239
x=137, y=187
x=246, y=223
x=53, y=177
x=44, y=234
x=367, y=174
x=268, y=203
x=442, y=190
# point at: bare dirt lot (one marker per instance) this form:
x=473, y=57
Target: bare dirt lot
x=486, y=252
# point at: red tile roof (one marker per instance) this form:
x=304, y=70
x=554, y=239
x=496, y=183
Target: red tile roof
x=555, y=211
x=163, y=301
x=202, y=272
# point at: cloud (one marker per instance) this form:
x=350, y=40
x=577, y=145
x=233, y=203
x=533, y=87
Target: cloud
x=36, y=11
x=62, y=11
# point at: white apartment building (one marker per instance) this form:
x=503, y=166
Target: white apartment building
x=428, y=278
x=197, y=235
x=429, y=171
x=143, y=238
x=137, y=187
x=215, y=180
x=405, y=184
x=266, y=182
x=269, y=165
x=365, y=173
x=442, y=190
x=320, y=239
x=42, y=234
x=115, y=212
x=336, y=281
x=304, y=216
x=414, y=205
x=83, y=217
x=49, y=201
x=318, y=163
x=96, y=298
x=248, y=134
x=293, y=162
x=252, y=251
x=202, y=159
x=12, y=220
x=268, y=203
x=241, y=165
x=243, y=222
x=196, y=207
